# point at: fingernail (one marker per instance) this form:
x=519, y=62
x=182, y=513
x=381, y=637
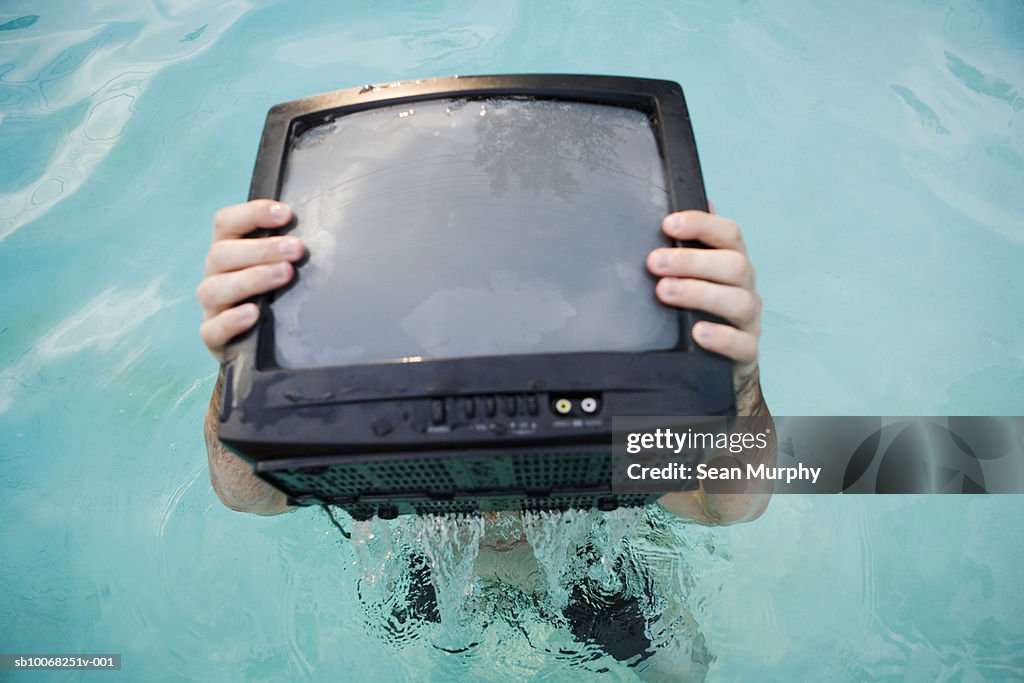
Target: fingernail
x=277, y=211
x=247, y=313
x=290, y=248
x=671, y=287
x=661, y=260
x=279, y=271
x=703, y=331
x=678, y=221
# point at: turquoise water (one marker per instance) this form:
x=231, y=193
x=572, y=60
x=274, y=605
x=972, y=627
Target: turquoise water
x=873, y=153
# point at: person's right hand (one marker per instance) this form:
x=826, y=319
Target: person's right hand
x=237, y=269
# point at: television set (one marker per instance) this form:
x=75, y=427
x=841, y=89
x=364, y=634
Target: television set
x=474, y=306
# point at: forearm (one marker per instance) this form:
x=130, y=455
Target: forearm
x=232, y=478
x=709, y=507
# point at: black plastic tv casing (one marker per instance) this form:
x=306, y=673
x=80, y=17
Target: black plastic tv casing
x=391, y=438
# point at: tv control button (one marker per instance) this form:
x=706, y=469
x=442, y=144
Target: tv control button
x=490, y=406
x=510, y=406
x=437, y=411
x=469, y=407
x=531, y=405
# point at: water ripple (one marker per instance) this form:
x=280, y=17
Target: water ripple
x=87, y=83
x=101, y=322
x=20, y=22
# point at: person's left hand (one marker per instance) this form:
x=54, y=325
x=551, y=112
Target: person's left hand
x=720, y=281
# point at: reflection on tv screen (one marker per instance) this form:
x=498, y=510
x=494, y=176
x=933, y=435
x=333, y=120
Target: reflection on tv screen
x=457, y=228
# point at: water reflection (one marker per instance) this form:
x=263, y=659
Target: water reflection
x=546, y=148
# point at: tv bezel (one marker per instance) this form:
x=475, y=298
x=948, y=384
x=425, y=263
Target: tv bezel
x=258, y=393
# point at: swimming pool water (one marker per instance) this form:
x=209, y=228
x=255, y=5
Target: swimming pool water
x=872, y=152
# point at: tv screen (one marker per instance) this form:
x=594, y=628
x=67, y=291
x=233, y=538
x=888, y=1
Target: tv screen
x=474, y=227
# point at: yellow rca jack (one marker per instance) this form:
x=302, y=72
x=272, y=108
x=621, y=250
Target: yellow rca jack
x=563, y=406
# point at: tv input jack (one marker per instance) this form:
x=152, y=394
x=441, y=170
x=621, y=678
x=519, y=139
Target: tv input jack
x=589, y=405
x=563, y=406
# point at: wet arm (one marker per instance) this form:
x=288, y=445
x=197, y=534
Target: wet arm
x=232, y=478
x=706, y=507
